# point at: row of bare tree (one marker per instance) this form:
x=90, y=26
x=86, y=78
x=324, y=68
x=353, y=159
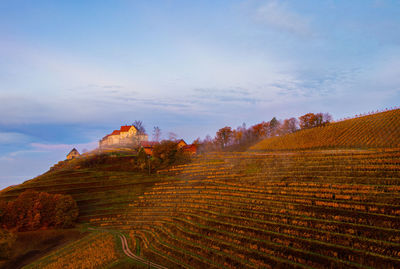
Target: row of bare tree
x=242, y=137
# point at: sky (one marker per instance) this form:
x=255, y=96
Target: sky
x=73, y=71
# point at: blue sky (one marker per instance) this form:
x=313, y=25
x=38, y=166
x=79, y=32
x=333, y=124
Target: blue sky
x=73, y=71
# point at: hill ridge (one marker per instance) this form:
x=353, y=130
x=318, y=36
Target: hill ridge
x=379, y=130
x=330, y=208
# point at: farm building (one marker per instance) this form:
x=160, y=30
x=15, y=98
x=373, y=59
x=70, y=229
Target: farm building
x=73, y=154
x=148, y=146
x=127, y=135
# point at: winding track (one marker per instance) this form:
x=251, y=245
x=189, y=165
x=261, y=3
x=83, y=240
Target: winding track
x=128, y=252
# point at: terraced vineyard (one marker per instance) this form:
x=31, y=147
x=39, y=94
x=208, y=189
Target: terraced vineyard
x=94, y=251
x=95, y=191
x=381, y=130
x=248, y=210
x=326, y=208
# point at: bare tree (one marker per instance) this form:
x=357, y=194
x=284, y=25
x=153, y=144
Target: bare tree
x=172, y=136
x=207, y=144
x=274, y=125
x=327, y=118
x=140, y=127
x=289, y=126
x=156, y=134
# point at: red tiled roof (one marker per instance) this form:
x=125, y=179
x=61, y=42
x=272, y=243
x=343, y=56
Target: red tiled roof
x=148, y=143
x=125, y=128
x=191, y=147
x=116, y=132
x=148, y=150
x=73, y=151
x=104, y=138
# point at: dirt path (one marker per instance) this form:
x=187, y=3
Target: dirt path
x=129, y=253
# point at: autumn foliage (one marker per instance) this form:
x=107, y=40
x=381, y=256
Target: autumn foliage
x=329, y=208
x=7, y=239
x=33, y=210
x=381, y=130
x=239, y=139
x=315, y=209
x=311, y=120
x=167, y=153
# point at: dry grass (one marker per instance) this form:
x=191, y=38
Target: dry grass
x=381, y=130
x=30, y=246
x=96, y=251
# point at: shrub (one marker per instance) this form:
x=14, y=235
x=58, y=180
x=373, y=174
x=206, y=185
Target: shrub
x=167, y=153
x=7, y=240
x=34, y=210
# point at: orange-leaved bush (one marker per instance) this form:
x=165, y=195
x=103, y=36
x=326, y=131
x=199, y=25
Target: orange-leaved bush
x=33, y=210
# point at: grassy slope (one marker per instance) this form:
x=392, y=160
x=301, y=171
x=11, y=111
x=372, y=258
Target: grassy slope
x=104, y=187
x=381, y=130
x=30, y=246
x=323, y=209
x=245, y=210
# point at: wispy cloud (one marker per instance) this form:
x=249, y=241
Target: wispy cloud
x=321, y=83
x=5, y=158
x=278, y=15
x=379, y=83
x=64, y=147
x=234, y=95
x=25, y=152
x=13, y=138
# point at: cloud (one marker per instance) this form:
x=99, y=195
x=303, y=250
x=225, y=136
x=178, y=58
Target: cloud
x=62, y=67
x=378, y=86
x=33, y=159
x=72, y=91
x=5, y=158
x=24, y=152
x=221, y=96
x=13, y=138
x=105, y=91
x=51, y=146
x=279, y=16
x=387, y=69
x=318, y=83
x=64, y=147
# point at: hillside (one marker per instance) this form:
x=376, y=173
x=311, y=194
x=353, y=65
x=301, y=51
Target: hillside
x=98, y=184
x=238, y=210
x=246, y=210
x=381, y=130
x=290, y=209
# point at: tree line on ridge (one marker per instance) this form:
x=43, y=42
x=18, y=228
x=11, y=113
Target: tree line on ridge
x=242, y=137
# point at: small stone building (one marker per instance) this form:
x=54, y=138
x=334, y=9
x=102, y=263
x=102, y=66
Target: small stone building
x=127, y=135
x=181, y=143
x=148, y=146
x=73, y=154
x=192, y=149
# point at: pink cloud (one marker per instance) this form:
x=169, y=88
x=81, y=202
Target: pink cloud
x=65, y=147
